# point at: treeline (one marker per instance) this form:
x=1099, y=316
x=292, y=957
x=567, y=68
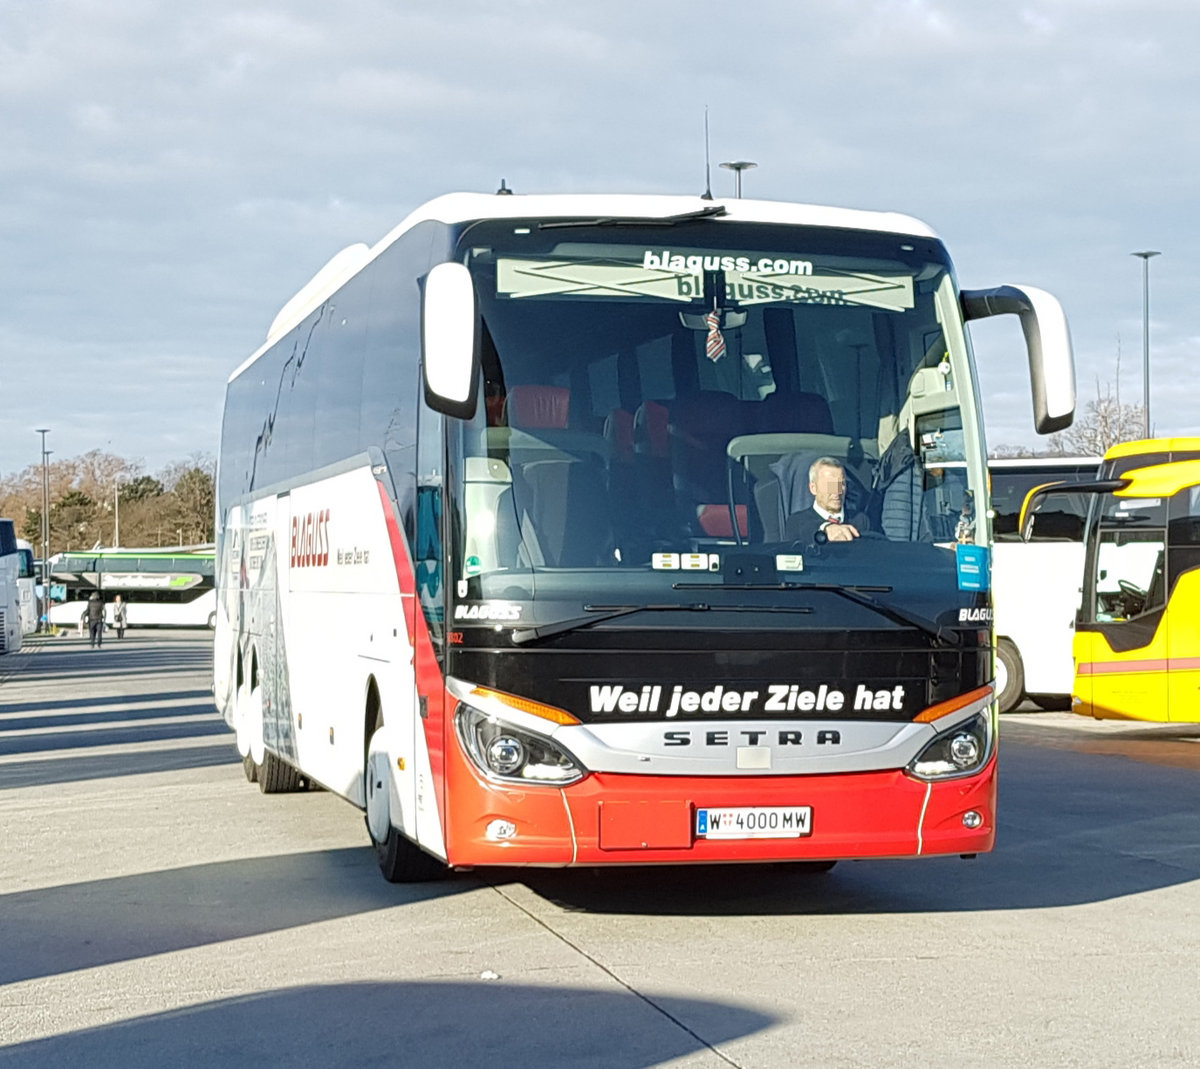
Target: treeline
x=101, y=499
x=1099, y=425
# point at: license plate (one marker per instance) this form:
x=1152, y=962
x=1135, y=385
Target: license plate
x=754, y=822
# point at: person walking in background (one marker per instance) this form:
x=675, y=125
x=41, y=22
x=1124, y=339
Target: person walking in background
x=119, y=616
x=95, y=619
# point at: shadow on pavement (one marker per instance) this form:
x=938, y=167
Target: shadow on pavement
x=71, y=658
x=409, y=1024
x=14, y=774
x=56, y=930
x=1073, y=829
x=12, y=708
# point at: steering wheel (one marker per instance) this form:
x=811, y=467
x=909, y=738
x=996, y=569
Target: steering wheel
x=1126, y=587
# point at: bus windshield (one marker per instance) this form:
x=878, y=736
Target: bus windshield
x=656, y=408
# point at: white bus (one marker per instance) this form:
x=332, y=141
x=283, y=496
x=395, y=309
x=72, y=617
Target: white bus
x=517, y=551
x=160, y=587
x=1036, y=584
x=10, y=592
x=27, y=587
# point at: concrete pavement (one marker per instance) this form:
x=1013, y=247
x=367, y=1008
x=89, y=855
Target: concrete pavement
x=156, y=909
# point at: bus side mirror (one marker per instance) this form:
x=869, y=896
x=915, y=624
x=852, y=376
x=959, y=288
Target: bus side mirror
x=1039, y=493
x=1048, y=341
x=450, y=340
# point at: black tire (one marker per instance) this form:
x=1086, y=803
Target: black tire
x=400, y=859
x=250, y=768
x=276, y=776
x=1012, y=681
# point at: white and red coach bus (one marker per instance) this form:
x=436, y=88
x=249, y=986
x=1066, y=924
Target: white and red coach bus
x=516, y=546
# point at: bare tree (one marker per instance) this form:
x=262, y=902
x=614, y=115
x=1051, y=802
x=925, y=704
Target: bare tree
x=1105, y=423
x=1006, y=452
x=84, y=500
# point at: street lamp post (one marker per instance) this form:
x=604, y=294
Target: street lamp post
x=737, y=167
x=43, y=431
x=1145, y=256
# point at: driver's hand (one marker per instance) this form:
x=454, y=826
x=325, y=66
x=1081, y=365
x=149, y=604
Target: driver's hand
x=841, y=532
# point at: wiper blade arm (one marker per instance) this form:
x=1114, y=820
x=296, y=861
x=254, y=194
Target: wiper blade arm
x=712, y=211
x=857, y=594
x=611, y=612
x=860, y=595
x=600, y=613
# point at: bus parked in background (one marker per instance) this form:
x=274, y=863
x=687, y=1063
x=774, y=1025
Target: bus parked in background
x=1137, y=635
x=10, y=595
x=27, y=587
x=517, y=546
x=1036, y=584
x=161, y=587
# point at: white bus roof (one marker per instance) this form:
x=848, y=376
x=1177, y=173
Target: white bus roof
x=466, y=207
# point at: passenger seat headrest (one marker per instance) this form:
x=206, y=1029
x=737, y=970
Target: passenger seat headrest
x=534, y=407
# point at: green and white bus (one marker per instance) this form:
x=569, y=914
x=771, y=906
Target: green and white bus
x=162, y=587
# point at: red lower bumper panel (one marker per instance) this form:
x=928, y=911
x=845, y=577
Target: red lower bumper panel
x=611, y=818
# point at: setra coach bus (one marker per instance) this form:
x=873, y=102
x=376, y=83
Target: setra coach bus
x=585, y=530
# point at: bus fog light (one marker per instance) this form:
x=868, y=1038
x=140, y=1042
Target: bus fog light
x=972, y=819
x=505, y=755
x=500, y=830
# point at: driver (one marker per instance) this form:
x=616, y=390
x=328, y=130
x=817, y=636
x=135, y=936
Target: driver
x=827, y=517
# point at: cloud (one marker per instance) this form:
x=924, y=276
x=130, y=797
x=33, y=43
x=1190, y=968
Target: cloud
x=173, y=174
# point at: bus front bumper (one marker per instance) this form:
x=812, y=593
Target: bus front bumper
x=610, y=818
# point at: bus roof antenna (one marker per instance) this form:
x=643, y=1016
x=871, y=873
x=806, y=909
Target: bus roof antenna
x=503, y=190
x=707, y=194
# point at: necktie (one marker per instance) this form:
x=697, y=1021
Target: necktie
x=714, y=345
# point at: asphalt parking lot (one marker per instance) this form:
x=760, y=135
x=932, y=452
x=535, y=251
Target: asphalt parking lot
x=157, y=909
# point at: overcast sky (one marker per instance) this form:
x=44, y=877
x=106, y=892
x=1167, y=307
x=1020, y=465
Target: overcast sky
x=170, y=174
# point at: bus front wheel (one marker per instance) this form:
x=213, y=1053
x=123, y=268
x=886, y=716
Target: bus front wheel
x=1010, y=676
x=400, y=859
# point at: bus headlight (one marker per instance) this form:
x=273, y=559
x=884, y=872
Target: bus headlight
x=502, y=751
x=961, y=751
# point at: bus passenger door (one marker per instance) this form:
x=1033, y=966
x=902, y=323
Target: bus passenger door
x=1183, y=606
x=430, y=654
x=1122, y=649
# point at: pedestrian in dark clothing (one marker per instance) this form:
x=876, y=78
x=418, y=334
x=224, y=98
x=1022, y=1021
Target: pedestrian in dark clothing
x=95, y=619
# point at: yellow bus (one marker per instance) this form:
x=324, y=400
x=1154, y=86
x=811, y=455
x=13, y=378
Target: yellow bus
x=1137, y=633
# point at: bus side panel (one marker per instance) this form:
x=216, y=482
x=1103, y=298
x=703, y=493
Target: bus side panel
x=1127, y=685
x=264, y=644
x=426, y=778
x=1183, y=649
x=347, y=632
x=228, y=579
x=1036, y=591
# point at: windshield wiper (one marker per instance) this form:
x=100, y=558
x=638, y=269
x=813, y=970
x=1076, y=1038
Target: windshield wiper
x=611, y=612
x=710, y=212
x=859, y=594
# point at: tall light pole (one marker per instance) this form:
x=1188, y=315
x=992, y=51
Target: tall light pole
x=737, y=167
x=1145, y=256
x=43, y=431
